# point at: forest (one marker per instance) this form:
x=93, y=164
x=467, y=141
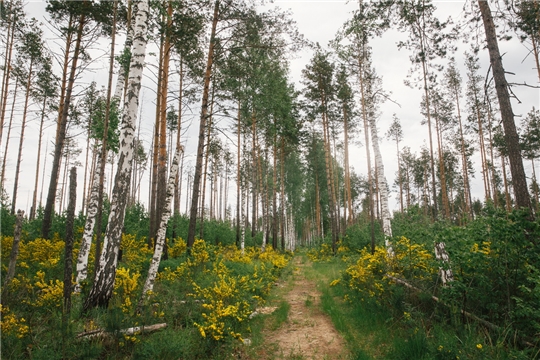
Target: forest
x=187, y=181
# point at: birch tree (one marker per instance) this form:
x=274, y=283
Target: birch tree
x=102, y=288
x=161, y=234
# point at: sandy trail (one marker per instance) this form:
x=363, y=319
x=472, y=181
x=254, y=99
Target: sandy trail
x=308, y=333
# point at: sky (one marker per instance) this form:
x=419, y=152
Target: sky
x=318, y=21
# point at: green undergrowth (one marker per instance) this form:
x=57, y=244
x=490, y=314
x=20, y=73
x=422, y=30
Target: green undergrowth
x=204, y=298
x=493, y=278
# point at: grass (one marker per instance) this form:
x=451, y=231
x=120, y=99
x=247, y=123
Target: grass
x=280, y=315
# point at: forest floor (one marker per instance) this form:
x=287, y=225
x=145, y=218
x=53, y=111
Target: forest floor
x=298, y=327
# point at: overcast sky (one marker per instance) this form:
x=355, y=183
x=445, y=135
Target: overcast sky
x=319, y=22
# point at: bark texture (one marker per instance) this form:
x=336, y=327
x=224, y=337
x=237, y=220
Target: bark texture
x=68, y=254
x=106, y=271
x=160, y=237
x=510, y=133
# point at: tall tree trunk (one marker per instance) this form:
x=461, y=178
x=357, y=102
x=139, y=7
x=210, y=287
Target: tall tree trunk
x=274, y=194
x=399, y=176
x=481, y=142
x=178, y=183
x=162, y=157
x=494, y=190
x=264, y=201
x=464, y=160
x=519, y=180
x=444, y=190
x=40, y=137
x=21, y=140
x=254, y=170
x=102, y=288
x=506, y=190
x=350, y=217
x=428, y=114
x=10, y=37
x=160, y=237
x=103, y=155
x=385, y=210
x=329, y=173
x=68, y=253
x=368, y=155
x=239, y=141
x=202, y=127
x=535, y=182
x=317, y=206
x=155, y=153
x=282, y=192
x=206, y=157
x=4, y=159
x=61, y=131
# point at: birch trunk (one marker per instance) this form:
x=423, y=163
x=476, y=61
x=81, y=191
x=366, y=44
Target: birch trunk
x=86, y=241
x=161, y=233
x=368, y=154
x=106, y=272
x=385, y=211
x=440, y=254
x=95, y=201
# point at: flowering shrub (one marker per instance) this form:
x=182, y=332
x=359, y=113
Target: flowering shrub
x=125, y=286
x=223, y=304
x=12, y=325
x=135, y=252
x=42, y=252
x=367, y=275
x=278, y=260
x=173, y=275
x=199, y=252
x=324, y=253
x=232, y=253
x=179, y=248
x=50, y=293
x=413, y=261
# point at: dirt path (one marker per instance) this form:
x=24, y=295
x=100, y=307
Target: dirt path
x=308, y=333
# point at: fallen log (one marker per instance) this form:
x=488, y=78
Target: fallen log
x=129, y=331
x=524, y=341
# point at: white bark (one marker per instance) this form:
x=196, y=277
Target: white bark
x=86, y=241
x=92, y=209
x=106, y=272
x=120, y=82
x=160, y=237
x=386, y=217
x=440, y=254
x=128, y=331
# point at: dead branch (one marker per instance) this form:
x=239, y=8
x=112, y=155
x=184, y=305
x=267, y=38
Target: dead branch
x=129, y=331
x=487, y=324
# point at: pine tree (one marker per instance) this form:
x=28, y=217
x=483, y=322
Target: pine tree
x=519, y=179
